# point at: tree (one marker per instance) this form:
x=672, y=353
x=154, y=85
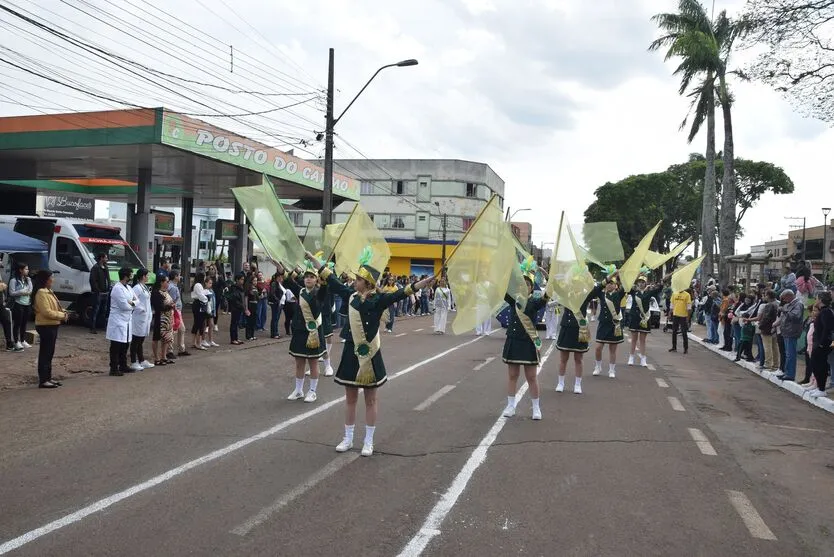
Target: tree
x=799, y=56
x=636, y=203
x=704, y=48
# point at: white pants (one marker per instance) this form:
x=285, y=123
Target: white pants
x=440, y=316
x=551, y=321
x=484, y=328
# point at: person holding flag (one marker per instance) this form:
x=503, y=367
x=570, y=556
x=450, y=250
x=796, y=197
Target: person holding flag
x=361, y=366
x=523, y=345
x=641, y=297
x=609, y=329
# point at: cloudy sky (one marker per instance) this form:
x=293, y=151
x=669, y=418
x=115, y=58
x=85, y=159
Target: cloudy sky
x=557, y=96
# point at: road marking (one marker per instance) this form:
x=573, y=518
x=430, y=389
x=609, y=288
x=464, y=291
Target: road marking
x=431, y=527
x=483, y=364
x=661, y=383
x=651, y=367
x=676, y=404
x=793, y=427
x=417, y=330
x=111, y=500
x=752, y=519
x=335, y=465
x=433, y=398
x=701, y=440
x=400, y=335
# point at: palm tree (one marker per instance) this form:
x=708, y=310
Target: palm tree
x=688, y=35
x=704, y=47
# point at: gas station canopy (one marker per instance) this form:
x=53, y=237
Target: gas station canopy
x=100, y=154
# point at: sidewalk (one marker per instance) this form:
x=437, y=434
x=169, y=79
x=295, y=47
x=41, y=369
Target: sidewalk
x=699, y=332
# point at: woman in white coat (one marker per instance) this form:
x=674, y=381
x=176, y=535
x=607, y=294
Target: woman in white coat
x=442, y=302
x=122, y=302
x=140, y=321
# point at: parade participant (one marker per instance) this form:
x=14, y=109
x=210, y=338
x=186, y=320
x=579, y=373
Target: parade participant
x=573, y=339
x=442, y=302
x=307, y=342
x=641, y=299
x=362, y=366
x=327, y=310
x=551, y=319
x=523, y=344
x=609, y=329
x=485, y=327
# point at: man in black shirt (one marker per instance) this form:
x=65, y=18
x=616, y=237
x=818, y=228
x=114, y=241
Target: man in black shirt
x=100, y=285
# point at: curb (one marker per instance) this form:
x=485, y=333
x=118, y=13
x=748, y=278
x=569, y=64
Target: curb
x=824, y=403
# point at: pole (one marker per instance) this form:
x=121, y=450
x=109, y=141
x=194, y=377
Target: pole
x=443, y=254
x=804, y=253
x=327, y=190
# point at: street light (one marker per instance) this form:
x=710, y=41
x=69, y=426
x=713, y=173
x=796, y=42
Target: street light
x=443, y=253
x=330, y=123
x=515, y=213
x=825, y=211
x=803, y=234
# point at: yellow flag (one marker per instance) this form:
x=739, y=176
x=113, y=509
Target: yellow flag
x=682, y=278
x=569, y=282
x=358, y=233
x=273, y=228
x=479, y=268
x=653, y=260
x=600, y=242
x=631, y=268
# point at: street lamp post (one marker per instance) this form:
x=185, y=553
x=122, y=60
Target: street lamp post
x=510, y=219
x=330, y=123
x=825, y=211
x=443, y=253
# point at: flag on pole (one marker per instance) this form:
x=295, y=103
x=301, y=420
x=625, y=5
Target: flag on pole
x=358, y=233
x=599, y=242
x=569, y=282
x=653, y=260
x=273, y=228
x=682, y=278
x=631, y=268
x=479, y=269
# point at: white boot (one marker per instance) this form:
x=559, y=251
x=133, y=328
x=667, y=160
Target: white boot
x=537, y=411
x=509, y=411
x=347, y=440
x=612, y=371
x=643, y=362
x=631, y=359
x=597, y=368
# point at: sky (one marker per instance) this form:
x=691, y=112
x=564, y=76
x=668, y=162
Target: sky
x=557, y=96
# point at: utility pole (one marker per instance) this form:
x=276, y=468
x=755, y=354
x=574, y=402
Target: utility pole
x=443, y=254
x=327, y=201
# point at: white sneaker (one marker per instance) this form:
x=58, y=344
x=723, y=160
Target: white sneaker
x=307, y=372
x=537, y=413
x=146, y=365
x=311, y=396
x=816, y=393
x=560, y=387
x=296, y=395
x=597, y=369
x=136, y=366
x=577, y=389
x=509, y=411
x=321, y=359
x=612, y=373
x=631, y=360
x=643, y=362
x=342, y=340
x=26, y=344
x=215, y=328
x=18, y=345
x=329, y=372
x=367, y=449
x=344, y=446
x=205, y=344
x=212, y=343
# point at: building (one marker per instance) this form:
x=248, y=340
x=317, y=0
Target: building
x=817, y=253
x=408, y=201
x=524, y=232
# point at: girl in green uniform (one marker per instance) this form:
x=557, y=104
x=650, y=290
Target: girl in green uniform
x=523, y=344
x=609, y=328
x=641, y=297
x=307, y=342
x=361, y=366
x=573, y=339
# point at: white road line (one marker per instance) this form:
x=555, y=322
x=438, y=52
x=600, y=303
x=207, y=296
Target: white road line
x=417, y=330
x=483, y=364
x=400, y=335
x=111, y=500
x=661, y=383
x=752, y=519
x=335, y=465
x=433, y=398
x=431, y=527
x=701, y=440
x=676, y=404
x=651, y=367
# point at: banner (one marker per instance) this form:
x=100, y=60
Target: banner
x=569, y=282
x=631, y=268
x=682, y=278
x=359, y=232
x=69, y=206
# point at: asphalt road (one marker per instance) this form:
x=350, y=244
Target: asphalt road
x=693, y=457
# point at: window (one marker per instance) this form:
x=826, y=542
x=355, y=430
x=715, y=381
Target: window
x=366, y=188
x=398, y=222
x=67, y=253
x=399, y=188
x=784, y=251
x=468, y=222
x=471, y=190
x=381, y=221
x=296, y=217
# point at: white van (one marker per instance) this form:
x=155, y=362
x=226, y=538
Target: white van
x=73, y=248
